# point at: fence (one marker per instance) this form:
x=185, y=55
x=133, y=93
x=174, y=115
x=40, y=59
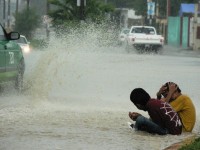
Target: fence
x=178, y=31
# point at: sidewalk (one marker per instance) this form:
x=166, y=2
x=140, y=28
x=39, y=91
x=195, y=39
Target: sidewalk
x=178, y=51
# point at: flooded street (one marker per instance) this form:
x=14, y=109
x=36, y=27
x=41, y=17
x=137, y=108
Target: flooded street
x=78, y=98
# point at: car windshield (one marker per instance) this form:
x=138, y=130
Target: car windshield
x=143, y=30
x=2, y=36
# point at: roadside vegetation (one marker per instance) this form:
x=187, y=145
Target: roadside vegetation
x=195, y=145
x=67, y=11
x=27, y=21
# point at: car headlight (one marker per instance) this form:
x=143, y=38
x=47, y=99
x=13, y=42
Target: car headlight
x=26, y=49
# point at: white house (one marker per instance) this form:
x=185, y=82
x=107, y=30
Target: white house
x=128, y=17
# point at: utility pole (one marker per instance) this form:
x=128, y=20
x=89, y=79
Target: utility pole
x=168, y=8
x=157, y=12
x=150, y=10
x=47, y=23
x=82, y=10
x=4, y=13
x=17, y=6
x=28, y=4
x=81, y=4
x=8, y=25
x=195, y=26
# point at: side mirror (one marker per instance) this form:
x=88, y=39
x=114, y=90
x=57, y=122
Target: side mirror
x=13, y=35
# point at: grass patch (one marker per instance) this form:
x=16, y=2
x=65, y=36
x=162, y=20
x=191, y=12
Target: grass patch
x=195, y=145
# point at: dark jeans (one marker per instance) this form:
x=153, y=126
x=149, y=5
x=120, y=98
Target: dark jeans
x=145, y=124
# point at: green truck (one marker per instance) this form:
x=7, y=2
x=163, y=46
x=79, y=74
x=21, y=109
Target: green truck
x=12, y=64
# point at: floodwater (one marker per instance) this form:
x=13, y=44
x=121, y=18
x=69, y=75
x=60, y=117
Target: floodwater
x=77, y=97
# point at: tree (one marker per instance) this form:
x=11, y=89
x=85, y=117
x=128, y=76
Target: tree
x=26, y=22
x=96, y=10
x=64, y=10
x=67, y=10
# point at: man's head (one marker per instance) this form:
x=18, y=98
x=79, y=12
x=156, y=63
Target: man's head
x=165, y=92
x=140, y=97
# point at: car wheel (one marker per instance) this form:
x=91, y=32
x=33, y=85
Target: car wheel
x=19, y=78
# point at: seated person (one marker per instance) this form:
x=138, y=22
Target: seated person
x=182, y=104
x=164, y=120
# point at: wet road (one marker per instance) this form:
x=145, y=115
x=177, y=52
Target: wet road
x=78, y=98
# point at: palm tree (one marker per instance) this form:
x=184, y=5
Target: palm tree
x=67, y=10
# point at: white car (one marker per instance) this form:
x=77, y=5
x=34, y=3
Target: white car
x=24, y=44
x=123, y=34
x=144, y=38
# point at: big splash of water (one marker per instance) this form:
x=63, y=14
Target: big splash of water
x=77, y=94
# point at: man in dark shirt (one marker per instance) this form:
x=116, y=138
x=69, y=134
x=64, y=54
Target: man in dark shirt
x=163, y=119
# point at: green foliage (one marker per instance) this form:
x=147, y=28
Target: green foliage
x=140, y=7
x=122, y=4
x=68, y=11
x=96, y=11
x=193, y=146
x=26, y=22
x=64, y=10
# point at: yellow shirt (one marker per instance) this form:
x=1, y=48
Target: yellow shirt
x=184, y=107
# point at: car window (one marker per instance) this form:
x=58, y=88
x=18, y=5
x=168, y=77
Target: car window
x=2, y=36
x=137, y=30
x=149, y=31
x=21, y=40
x=143, y=30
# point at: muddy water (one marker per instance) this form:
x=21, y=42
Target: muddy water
x=78, y=98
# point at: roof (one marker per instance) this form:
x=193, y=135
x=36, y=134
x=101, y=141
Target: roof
x=186, y=8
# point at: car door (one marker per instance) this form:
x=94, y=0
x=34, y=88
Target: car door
x=10, y=55
x=13, y=56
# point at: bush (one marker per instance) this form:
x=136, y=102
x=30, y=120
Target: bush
x=26, y=22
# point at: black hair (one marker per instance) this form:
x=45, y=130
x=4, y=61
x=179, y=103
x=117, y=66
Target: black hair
x=167, y=85
x=139, y=96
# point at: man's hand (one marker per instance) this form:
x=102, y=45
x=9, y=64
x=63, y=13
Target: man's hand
x=162, y=90
x=134, y=115
x=172, y=87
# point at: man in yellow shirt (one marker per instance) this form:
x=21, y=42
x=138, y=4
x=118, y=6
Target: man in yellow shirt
x=182, y=104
